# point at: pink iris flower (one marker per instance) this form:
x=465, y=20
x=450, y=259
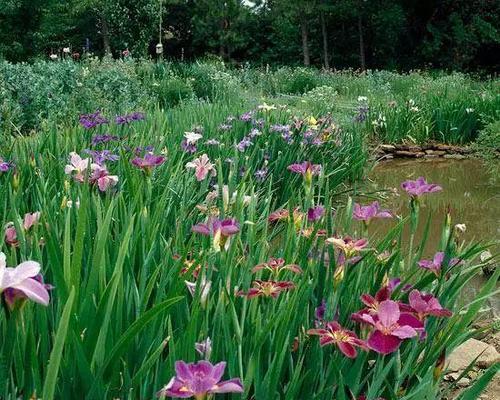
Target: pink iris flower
x=367, y=213
x=23, y=279
x=423, y=305
x=346, y=340
x=199, y=380
x=202, y=167
x=30, y=219
x=77, y=166
x=419, y=187
x=391, y=327
x=433, y=265
x=101, y=177
x=348, y=245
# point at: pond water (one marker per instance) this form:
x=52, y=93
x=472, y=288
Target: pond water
x=471, y=191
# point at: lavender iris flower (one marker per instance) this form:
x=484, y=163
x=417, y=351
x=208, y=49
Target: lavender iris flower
x=419, y=187
x=244, y=144
x=261, y=174
x=305, y=168
x=100, y=157
x=367, y=213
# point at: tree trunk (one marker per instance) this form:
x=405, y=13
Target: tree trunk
x=361, y=43
x=325, y=40
x=305, y=40
x=105, y=36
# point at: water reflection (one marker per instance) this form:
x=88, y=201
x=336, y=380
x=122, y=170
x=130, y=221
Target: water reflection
x=471, y=191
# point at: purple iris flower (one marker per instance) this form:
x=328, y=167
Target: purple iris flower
x=287, y=137
x=149, y=161
x=246, y=117
x=127, y=118
x=89, y=121
x=362, y=113
x=190, y=148
x=100, y=139
x=320, y=311
x=5, y=165
x=366, y=213
x=419, y=187
x=315, y=213
x=199, y=380
x=279, y=128
x=225, y=127
x=244, y=144
x=100, y=157
x=258, y=123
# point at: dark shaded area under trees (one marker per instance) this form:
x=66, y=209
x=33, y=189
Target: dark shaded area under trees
x=388, y=34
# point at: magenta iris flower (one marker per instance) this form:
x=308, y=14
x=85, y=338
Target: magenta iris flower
x=419, y=187
x=346, y=340
x=433, y=265
x=305, y=168
x=276, y=265
x=423, y=305
x=199, y=380
x=315, y=213
x=149, y=161
x=226, y=227
x=391, y=327
x=5, y=166
x=367, y=213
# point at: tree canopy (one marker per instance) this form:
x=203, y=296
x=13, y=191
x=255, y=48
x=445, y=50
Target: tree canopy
x=394, y=34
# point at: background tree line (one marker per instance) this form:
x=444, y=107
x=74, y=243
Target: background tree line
x=393, y=34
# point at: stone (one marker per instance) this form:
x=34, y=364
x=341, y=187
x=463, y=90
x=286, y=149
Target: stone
x=412, y=154
x=463, y=382
x=435, y=152
x=388, y=148
x=443, y=147
x=466, y=353
x=454, y=156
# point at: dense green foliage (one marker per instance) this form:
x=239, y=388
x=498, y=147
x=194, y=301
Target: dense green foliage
x=389, y=34
x=382, y=106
